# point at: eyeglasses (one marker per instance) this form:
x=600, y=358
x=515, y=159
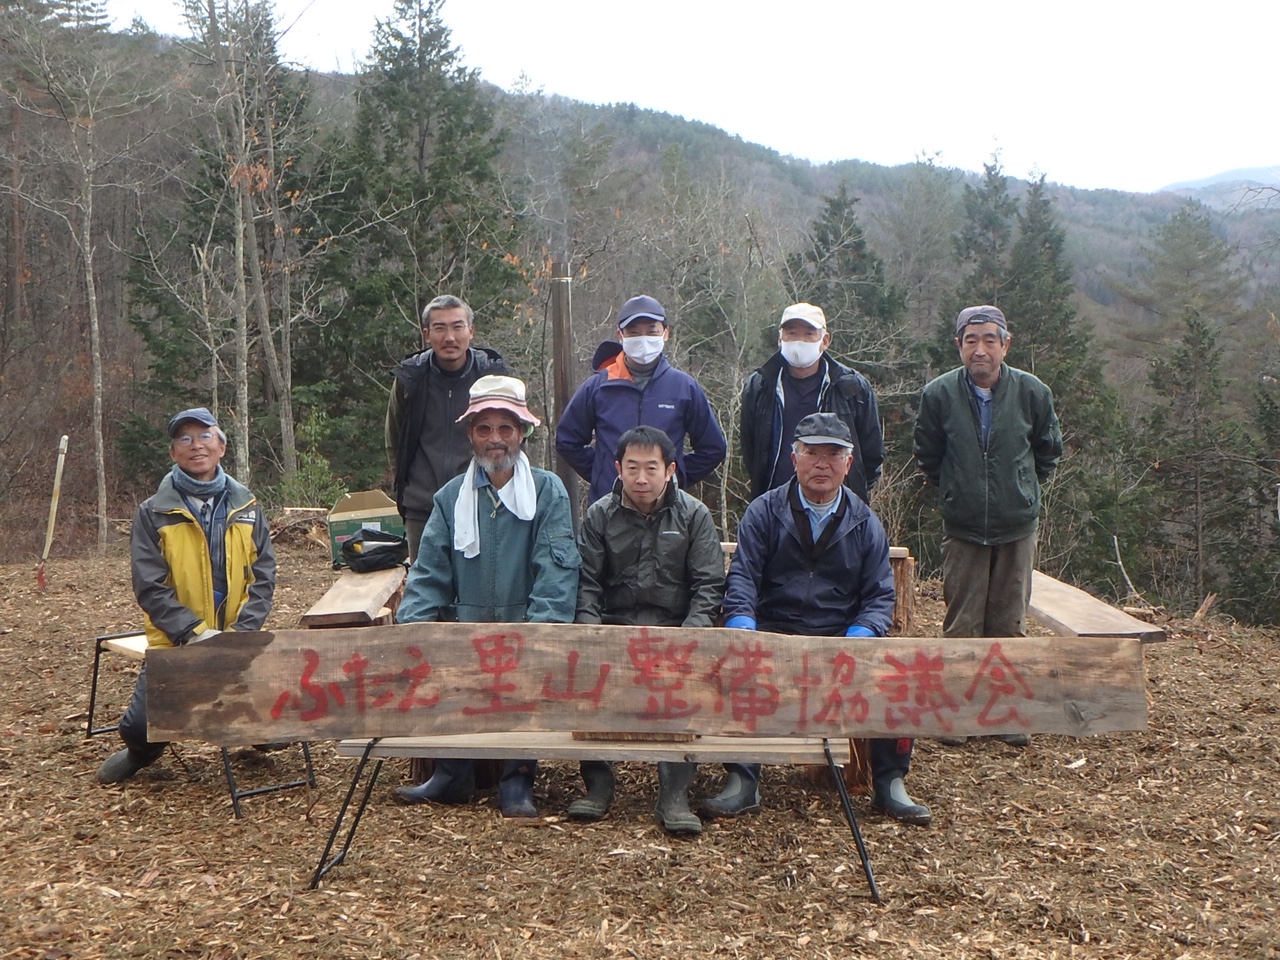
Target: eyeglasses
x=188, y=439
x=506, y=431
x=818, y=455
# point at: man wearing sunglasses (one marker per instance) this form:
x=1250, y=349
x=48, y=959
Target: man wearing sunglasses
x=497, y=548
x=202, y=563
x=987, y=437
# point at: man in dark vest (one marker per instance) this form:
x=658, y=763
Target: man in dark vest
x=427, y=445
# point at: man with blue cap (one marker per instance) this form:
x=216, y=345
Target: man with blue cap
x=202, y=563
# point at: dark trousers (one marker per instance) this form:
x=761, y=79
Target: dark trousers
x=133, y=724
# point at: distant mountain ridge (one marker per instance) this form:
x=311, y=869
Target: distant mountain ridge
x=1255, y=176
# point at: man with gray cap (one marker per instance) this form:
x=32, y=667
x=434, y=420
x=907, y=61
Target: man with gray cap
x=634, y=386
x=800, y=379
x=202, y=563
x=987, y=436
x=813, y=561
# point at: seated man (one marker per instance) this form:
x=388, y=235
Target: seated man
x=813, y=560
x=498, y=548
x=650, y=557
x=202, y=563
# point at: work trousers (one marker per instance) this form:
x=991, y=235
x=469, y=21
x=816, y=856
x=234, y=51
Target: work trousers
x=987, y=588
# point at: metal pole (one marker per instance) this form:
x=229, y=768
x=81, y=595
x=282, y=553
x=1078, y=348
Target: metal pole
x=562, y=361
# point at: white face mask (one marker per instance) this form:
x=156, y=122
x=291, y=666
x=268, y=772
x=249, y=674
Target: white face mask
x=642, y=350
x=801, y=353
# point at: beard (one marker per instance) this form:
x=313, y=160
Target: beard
x=498, y=459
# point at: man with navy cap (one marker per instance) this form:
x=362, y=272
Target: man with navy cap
x=202, y=563
x=813, y=561
x=634, y=386
x=987, y=436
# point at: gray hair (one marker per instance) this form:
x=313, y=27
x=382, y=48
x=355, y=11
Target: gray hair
x=447, y=301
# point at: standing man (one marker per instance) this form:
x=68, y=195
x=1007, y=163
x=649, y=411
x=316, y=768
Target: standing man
x=426, y=444
x=987, y=437
x=798, y=380
x=651, y=557
x=497, y=548
x=813, y=560
x=634, y=385
x=200, y=552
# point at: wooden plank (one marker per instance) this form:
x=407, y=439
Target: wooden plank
x=356, y=599
x=134, y=646
x=1070, y=611
x=895, y=553
x=442, y=678
x=561, y=746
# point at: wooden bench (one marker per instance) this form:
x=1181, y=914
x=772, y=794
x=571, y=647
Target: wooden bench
x=438, y=689
x=134, y=646
x=1071, y=612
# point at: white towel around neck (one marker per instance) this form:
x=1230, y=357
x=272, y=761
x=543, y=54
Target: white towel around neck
x=519, y=496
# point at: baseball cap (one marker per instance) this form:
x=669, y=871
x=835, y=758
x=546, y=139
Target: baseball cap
x=983, y=314
x=641, y=308
x=198, y=414
x=494, y=392
x=818, y=428
x=807, y=312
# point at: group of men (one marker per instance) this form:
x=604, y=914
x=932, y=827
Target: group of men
x=491, y=537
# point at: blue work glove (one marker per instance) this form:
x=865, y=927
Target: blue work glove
x=857, y=631
x=741, y=622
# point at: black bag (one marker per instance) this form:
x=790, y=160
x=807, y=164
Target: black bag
x=367, y=550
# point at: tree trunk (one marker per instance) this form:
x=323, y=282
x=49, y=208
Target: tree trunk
x=95, y=337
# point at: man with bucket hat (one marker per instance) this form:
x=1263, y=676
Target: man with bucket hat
x=498, y=547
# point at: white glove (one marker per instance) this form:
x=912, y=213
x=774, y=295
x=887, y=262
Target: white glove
x=204, y=636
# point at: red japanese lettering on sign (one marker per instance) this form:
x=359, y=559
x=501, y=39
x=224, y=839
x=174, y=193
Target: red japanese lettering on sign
x=661, y=668
x=1001, y=680
x=838, y=706
x=915, y=689
x=571, y=691
x=499, y=655
x=312, y=700
x=741, y=675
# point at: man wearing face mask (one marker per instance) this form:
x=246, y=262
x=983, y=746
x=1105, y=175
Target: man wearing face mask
x=799, y=380
x=634, y=386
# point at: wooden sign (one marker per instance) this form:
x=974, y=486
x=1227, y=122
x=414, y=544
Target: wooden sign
x=426, y=678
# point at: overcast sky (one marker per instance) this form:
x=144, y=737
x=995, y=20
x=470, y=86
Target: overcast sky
x=1125, y=94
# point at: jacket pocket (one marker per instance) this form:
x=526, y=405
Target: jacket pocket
x=565, y=553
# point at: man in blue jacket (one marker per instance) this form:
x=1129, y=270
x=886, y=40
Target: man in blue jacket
x=497, y=548
x=813, y=560
x=634, y=386
x=987, y=437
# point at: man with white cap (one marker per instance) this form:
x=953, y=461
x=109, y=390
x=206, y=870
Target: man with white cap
x=498, y=548
x=634, y=386
x=813, y=561
x=201, y=559
x=798, y=380
x=987, y=436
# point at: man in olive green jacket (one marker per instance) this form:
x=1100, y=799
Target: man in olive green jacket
x=651, y=556
x=987, y=436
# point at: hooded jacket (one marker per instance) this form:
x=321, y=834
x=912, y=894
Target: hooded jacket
x=663, y=569
x=990, y=496
x=787, y=589
x=609, y=403
x=428, y=446
x=173, y=575
x=843, y=391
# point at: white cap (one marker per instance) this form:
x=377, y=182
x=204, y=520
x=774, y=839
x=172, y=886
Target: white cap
x=807, y=312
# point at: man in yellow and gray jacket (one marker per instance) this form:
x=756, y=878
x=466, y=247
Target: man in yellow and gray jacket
x=201, y=563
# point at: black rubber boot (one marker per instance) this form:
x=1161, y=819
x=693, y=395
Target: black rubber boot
x=741, y=793
x=452, y=781
x=122, y=765
x=598, y=776
x=515, y=788
x=673, y=798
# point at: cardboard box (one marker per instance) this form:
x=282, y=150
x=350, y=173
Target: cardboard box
x=368, y=508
